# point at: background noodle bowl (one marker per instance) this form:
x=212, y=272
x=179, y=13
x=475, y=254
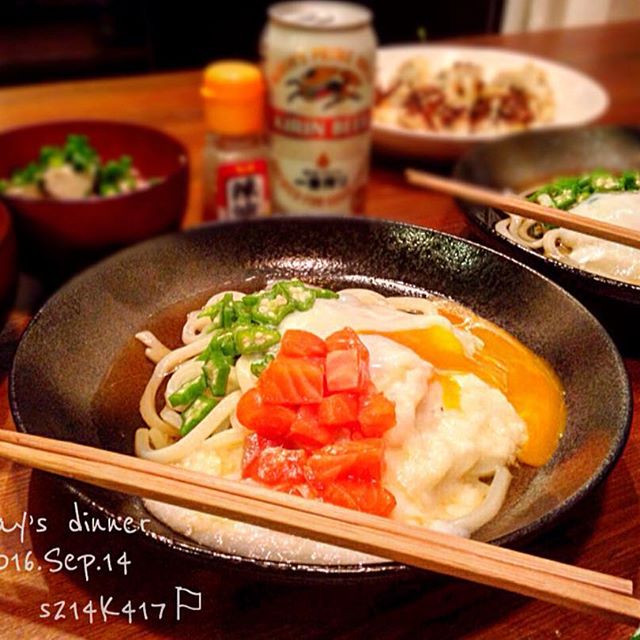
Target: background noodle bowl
x=617, y=205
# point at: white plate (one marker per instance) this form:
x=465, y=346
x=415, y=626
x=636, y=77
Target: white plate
x=578, y=99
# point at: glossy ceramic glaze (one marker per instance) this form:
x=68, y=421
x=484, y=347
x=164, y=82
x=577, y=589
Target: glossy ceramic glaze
x=89, y=321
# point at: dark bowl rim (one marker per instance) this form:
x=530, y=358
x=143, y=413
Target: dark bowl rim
x=346, y=571
x=469, y=208
x=182, y=157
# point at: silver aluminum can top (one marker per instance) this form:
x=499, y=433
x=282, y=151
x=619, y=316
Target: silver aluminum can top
x=320, y=16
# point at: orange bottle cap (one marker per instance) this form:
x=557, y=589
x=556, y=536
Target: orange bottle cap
x=233, y=93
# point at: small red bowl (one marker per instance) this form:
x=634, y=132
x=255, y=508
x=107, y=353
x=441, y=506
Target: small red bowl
x=58, y=237
x=8, y=264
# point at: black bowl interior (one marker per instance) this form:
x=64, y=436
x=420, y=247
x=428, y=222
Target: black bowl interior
x=71, y=344
x=523, y=161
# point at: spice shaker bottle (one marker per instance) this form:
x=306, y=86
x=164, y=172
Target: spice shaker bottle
x=235, y=162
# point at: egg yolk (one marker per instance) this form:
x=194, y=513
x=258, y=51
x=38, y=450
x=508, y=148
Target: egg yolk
x=450, y=391
x=527, y=381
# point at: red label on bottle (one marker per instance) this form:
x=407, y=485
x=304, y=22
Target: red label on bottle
x=242, y=189
x=294, y=125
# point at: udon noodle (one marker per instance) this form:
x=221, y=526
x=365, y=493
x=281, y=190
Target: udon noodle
x=465, y=396
x=599, y=196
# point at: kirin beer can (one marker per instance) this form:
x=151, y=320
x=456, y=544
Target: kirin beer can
x=319, y=64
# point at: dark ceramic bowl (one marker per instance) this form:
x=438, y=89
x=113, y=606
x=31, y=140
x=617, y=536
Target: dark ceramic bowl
x=72, y=342
x=8, y=264
x=57, y=237
x=520, y=162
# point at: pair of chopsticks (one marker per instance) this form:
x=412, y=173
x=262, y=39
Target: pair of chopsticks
x=521, y=573
x=514, y=204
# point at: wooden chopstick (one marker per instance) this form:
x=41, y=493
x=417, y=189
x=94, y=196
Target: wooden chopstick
x=461, y=558
x=514, y=204
x=507, y=556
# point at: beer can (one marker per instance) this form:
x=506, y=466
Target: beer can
x=319, y=64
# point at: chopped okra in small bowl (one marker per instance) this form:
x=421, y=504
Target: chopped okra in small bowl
x=78, y=190
x=74, y=171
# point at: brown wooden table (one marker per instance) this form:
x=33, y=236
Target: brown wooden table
x=604, y=534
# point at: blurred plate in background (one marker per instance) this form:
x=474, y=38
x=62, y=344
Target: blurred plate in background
x=578, y=98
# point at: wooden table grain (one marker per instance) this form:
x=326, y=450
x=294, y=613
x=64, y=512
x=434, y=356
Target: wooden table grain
x=603, y=534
